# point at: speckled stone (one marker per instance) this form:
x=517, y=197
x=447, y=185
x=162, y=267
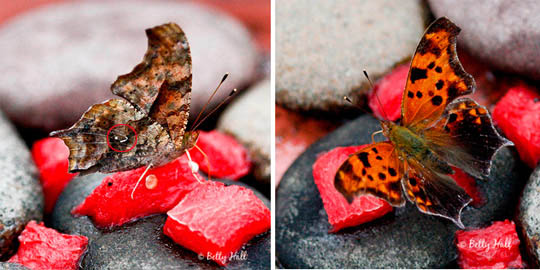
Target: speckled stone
x=12, y=266
x=405, y=238
x=504, y=33
x=323, y=47
x=529, y=217
x=248, y=119
x=140, y=244
x=21, y=197
x=60, y=59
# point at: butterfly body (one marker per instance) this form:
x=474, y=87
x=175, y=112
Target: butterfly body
x=147, y=126
x=409, y=145
x=438, y=130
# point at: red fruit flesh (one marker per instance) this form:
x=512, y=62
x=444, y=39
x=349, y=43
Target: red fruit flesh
x=341, y=214
x=496, y=246
x=216, y=220
x=518, y=115
x=160, y=190
x=389, y=90
x=51, y=158
x=44, y=248
x=227, y=158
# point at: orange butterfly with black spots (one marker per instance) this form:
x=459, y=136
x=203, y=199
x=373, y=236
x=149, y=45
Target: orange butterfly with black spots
x=436, y=131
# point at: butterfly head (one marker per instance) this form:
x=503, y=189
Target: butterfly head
x=387, y=127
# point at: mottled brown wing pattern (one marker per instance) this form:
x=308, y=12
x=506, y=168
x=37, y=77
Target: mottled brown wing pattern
x=91, y=152
x=434, y=193
x=436, y=76
x=171, y=109
x=465, y=137
x=374, y=170
x=167, y=58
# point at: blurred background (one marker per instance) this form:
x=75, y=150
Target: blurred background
x=60, y=57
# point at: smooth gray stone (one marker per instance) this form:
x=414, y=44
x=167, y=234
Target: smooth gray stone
x=529, y=217
x=322, y=47
x=21, y=196
x=405, y=238
x=503, y=33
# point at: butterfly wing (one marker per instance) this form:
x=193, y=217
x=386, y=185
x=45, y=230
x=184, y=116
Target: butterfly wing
x=434, y=193
x=374, y=170
x=465, y=137
x=91, y=140
x=436, y=76
x=160, y=86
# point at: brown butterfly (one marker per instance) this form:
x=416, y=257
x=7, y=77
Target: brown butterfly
x=148, y=126
x=436, y=131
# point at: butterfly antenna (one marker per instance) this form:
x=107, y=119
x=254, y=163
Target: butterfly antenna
x=233, y=92
x=346, y=98
x=376, y=96
x=210, y=99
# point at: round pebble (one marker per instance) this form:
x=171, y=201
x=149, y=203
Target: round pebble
x=60, y=59
x=248, y=119
x=503, y=33
x=529, y=216
x=21, y=197
x=322, y=48
x=405, y=238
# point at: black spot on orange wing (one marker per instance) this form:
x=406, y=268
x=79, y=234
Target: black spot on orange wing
x=364, y=158
x=439, y=84
x=436, y=100
x=418, y=74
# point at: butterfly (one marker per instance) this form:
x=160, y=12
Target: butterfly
x=147, y=126
x=437, y=129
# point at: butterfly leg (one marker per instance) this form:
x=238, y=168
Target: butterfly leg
x=140, y=178
x=194, y=167
x=207, y=162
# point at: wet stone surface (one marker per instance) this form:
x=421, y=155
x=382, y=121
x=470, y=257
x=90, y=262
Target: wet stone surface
x=21, y=197
x=140, y=244
x=405, y=238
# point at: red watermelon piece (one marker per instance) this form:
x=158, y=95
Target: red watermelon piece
x=216, y=220
x=227, y=157
x=44, y=248
x=518, y=115
x=389, y=89
x=160, y=190
x=51, y=158
x=496, y=246
x=340, y=213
